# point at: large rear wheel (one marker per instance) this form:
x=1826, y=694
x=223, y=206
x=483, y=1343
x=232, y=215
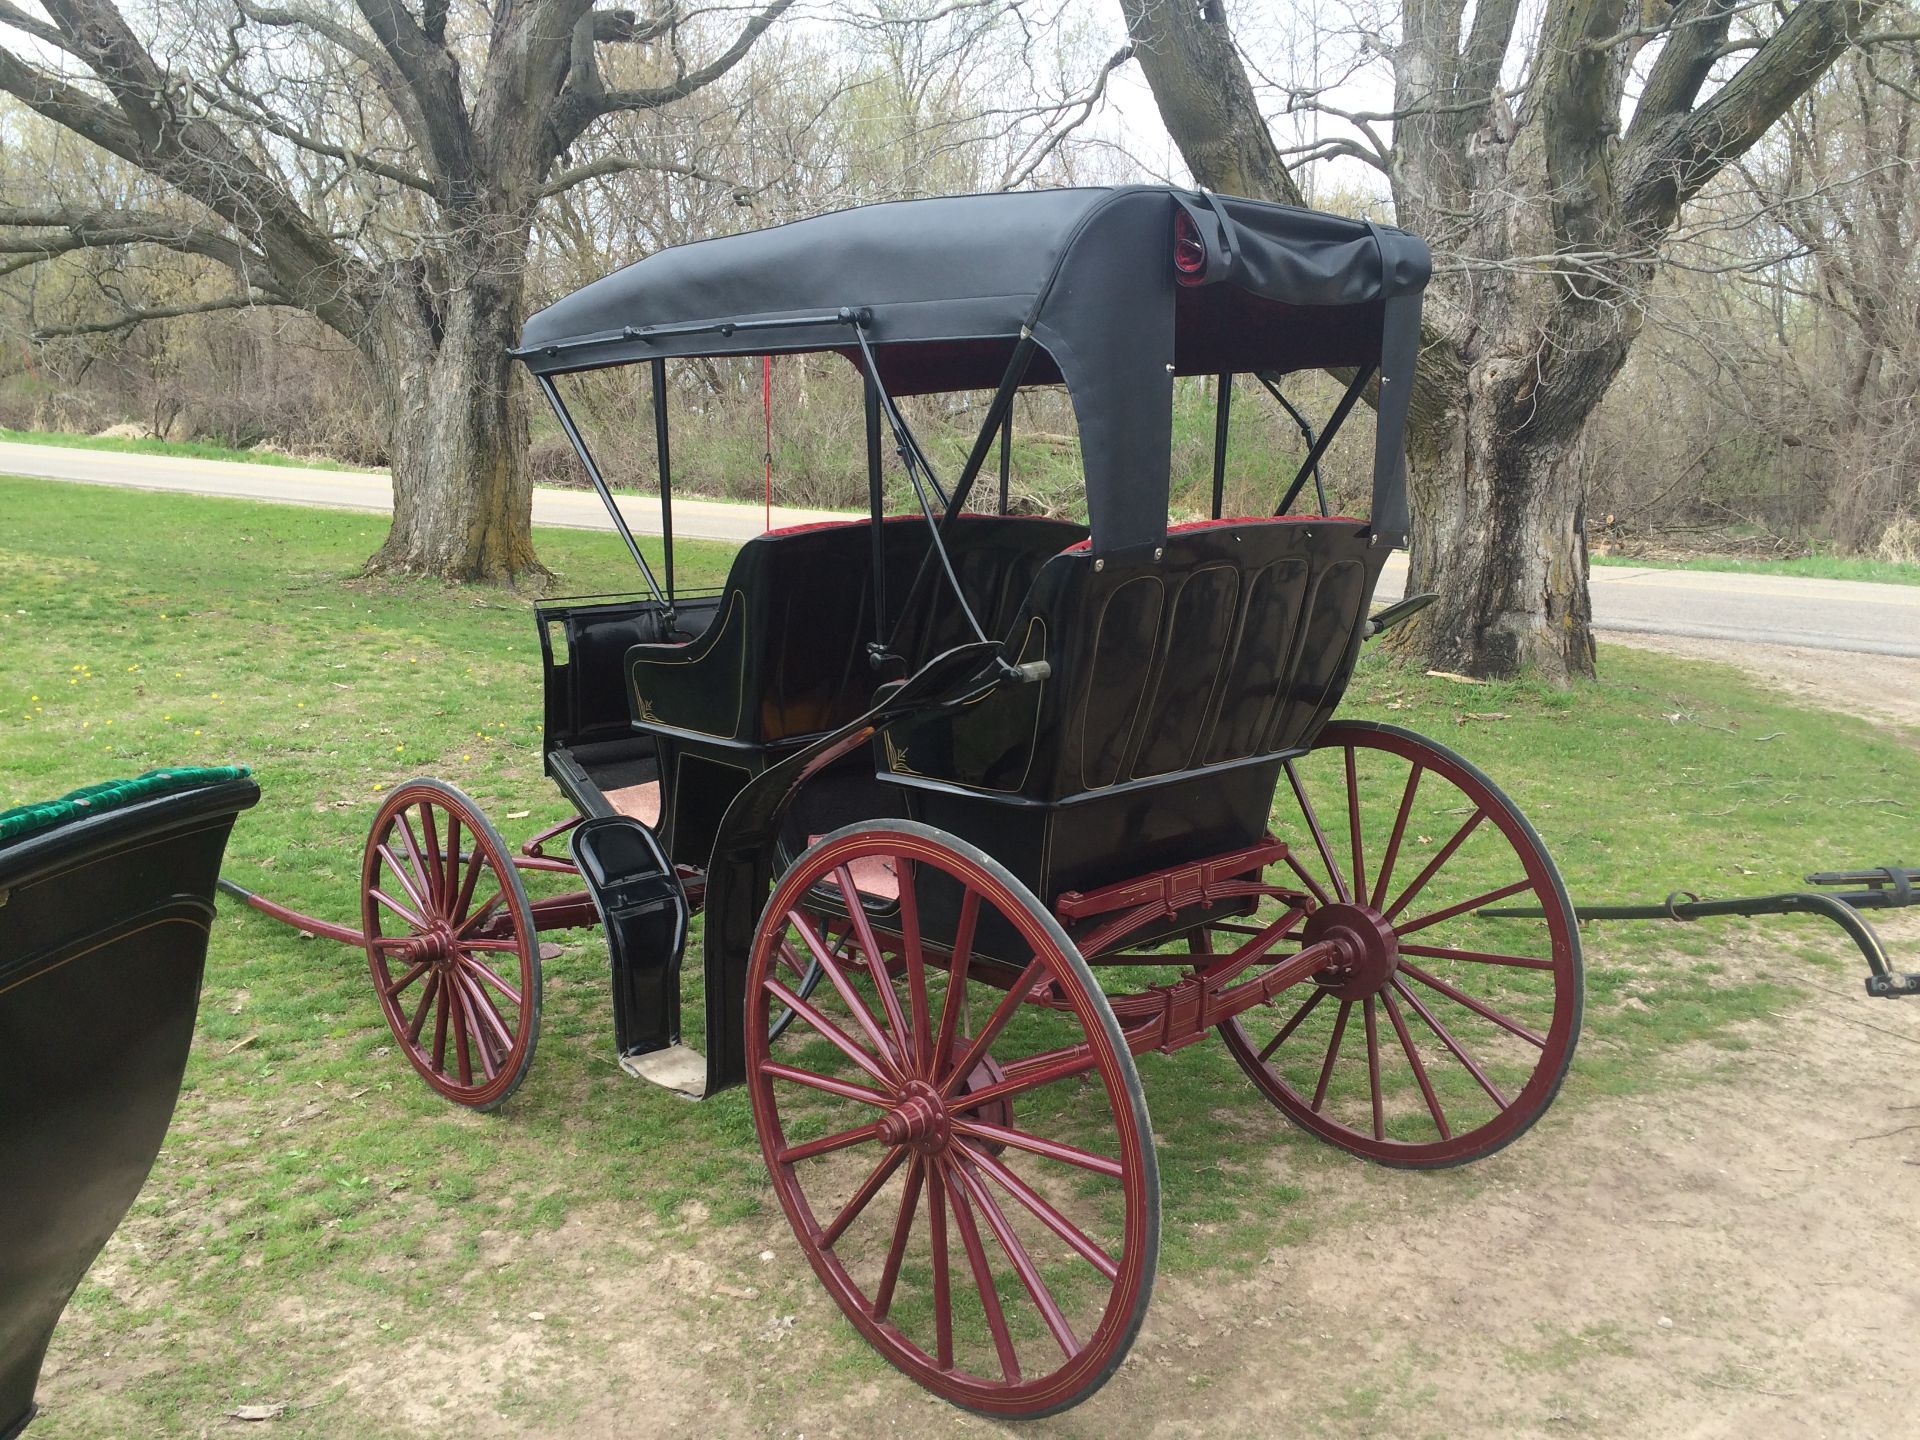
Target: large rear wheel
x=953, y=1124
x=1451, y=1033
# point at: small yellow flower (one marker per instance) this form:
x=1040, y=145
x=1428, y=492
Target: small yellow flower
x=398, y=748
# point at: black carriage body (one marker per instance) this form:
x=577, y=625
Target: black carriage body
x=1146, y=683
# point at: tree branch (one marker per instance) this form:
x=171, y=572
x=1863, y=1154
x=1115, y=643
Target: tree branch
x=577, y=108
x=433, y=76
x=1669, y=162
x=1206, y=99
x=130, y=318
x=43, y=231
x=1684, y=62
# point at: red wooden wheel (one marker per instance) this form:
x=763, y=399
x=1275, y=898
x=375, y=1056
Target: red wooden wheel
x=451, y=943
x=1450, y=1031
x=970, y=1172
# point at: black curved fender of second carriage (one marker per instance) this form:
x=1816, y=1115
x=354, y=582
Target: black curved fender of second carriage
x=740, y=874
x=949, y=284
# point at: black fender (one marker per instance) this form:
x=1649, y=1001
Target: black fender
x=740, y=874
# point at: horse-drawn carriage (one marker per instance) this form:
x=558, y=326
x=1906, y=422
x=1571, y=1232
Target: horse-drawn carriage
x=975, y=807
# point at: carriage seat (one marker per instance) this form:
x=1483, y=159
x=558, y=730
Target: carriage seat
x=1235, y=646
x=785, y=656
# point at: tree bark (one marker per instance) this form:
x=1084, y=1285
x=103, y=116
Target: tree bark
x=457, y=440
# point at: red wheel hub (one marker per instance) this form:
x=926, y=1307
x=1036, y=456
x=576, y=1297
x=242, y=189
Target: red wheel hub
x=1369, y=950
x=919, y=1120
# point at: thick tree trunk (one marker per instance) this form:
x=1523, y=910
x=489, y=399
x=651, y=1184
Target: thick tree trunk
x=457, y=438
x=1498, y=543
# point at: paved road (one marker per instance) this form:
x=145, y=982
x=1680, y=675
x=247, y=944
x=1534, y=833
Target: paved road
x=1770, y=609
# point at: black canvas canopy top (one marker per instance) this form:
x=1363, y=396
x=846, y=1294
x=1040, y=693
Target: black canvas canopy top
x=944, y=289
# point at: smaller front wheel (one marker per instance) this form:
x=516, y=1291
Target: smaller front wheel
x=451, y=944
x=953, y=1122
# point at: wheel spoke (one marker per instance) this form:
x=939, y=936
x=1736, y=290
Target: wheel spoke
x=399, y=873
x=830, y=1032
x=1043, y=1212
x=1353, y=832
x=476, y=862
x=473, y=1032
x=982, y=1042
x=1399, y=829
x=460, y=1052
x=465, y=926
x=1445, y=1037
x=486, y=973
x=1016, y=1253
x=1433, y=866
x=825, y=1083
x=902, y=1228
x=982, y=1274
x=440, y=1029
x=1032, y=1073
x=405, y=914
x=1333, y=1054
x=942, y=1267
x=1479, y=1007
x=1035, y=1145
x=1436, y=916
x=451, y=869
x=863, y=1197
x=1373, y=1067
x=1294, y=1023
x=863, y=1015
x=955, y=1002
x=480, y=1007
x=1319, y=893
x=1419, y=1068
x=420, y=967
x=413, y=854
x=915, y=960
x=828, y=1144
x=427, y=993
x=876, y=968
x=1319, y=839
x=1478, y=957
x=429, y=856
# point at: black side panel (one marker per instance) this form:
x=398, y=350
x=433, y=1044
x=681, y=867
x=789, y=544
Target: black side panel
x=584, y=645
x=103, y=936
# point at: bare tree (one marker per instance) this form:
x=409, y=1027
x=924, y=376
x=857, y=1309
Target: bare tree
x=1548, y=165
x=380, y=167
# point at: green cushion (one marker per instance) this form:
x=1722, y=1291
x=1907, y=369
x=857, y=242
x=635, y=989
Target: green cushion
x=110, y=795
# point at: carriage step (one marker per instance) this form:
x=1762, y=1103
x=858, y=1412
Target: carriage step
x=1892, y=987
x=644, y=909
x=679, y=1068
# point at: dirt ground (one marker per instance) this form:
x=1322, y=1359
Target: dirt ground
x=1727, y=1254
x=1876, y=687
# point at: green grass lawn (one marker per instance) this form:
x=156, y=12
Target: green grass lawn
x=306, y=1162
x=190, y=450
x=1811, y=567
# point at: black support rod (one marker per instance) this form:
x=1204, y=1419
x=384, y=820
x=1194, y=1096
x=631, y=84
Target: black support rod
x=997, y=410
x=1222, y=418
x=1006, y=456
x=1319, y=448
x=663, y=451
x=1272, y=384
x=915, y=464
x=600, y=485
x=876, y=496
